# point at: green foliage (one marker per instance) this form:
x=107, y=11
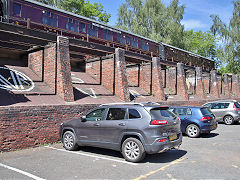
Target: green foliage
x=202, y=43
x=229, y=52
x=152, y=19
x=94, y=11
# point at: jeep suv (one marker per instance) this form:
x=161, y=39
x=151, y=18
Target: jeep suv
x=227, y=111
x=133, y=129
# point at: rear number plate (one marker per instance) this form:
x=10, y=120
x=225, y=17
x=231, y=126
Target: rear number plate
x=173, y=137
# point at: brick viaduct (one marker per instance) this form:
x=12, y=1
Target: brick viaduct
x=116, y=75
x=29, y=126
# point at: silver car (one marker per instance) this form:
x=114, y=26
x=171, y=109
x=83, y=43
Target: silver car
x=227, y=111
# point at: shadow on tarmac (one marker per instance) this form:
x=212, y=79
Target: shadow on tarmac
x=165, y=157
x=209, y=135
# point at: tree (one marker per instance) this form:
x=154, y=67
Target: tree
x=229, y=52
x=94, y=11
x=202, y=43
x=154, y=20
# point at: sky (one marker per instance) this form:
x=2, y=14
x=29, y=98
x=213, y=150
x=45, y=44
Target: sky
x=196, y=16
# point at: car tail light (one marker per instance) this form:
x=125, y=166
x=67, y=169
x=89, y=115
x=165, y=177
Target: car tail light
x=162, y=140
x=205, y=118
x=158, y=122
x=179, y=120
x=235, y=108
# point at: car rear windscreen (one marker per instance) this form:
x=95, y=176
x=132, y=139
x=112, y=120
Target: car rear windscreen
x=205, y=111
x=159, y=113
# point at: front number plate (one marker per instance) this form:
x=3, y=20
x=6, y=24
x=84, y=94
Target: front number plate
x=173, y=137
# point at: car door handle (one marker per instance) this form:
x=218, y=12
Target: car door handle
x=96, y=124
x=121, y=124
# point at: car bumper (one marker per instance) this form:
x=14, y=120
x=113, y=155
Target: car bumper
x=208, y=128
x=236, y=117
x=158, y=147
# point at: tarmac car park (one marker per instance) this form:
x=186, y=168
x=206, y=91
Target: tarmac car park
x=211, y=156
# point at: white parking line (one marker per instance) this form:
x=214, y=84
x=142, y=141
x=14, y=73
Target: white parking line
x=89, y=155
x=21, y=172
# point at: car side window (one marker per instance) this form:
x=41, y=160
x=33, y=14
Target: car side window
x=215, y=106
x=95, y=115
x=116, y=113
x=224, y=105
x=181, y=111
x=133, y=114
x=189, y=111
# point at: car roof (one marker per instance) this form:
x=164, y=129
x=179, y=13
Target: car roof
x=230, y=100
x=143, y=104
x=186, y=107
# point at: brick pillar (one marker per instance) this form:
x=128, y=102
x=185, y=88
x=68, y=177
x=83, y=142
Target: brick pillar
x=171, y=80
x=35, y=62
x=145, y=77
x=206, y=82
x=50, y=57
x=64, y=79
x=181, y=82
x=157, y=85
x=214, y=90
x=121, y=82
x=235, y=85
x=200, y=90
x=226, y=87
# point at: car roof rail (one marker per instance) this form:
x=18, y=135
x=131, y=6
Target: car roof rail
x=132, y=103
x=122, y=103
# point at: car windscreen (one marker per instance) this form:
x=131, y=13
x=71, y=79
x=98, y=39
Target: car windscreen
x=157, y=113
x=237, y=105
x=205, y=111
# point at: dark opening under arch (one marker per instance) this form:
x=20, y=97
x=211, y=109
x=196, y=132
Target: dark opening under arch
x=1, y=8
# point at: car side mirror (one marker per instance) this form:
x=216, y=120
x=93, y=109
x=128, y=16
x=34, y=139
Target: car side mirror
x=83, y=119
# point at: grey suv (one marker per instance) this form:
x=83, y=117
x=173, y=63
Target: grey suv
x=227, y=111
x=133, y=129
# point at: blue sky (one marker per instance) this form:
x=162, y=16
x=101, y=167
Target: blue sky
x=196, y=16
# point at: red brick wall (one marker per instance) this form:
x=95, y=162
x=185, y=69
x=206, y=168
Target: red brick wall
x=206, y=82
x=145, y=77
x=35, y=62
x=50, y=58
x=132, y=75
x=108, y=73
x=235, y=85
x=93, y=69
x=23, y=127
x=171, y=81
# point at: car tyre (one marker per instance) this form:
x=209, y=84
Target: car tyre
x=228, y=120
x=69, y=141
x=193, y=131
x=133, y=150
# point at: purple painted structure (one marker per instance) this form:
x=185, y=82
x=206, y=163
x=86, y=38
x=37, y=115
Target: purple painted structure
x=36, y=11
x=36, y=15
